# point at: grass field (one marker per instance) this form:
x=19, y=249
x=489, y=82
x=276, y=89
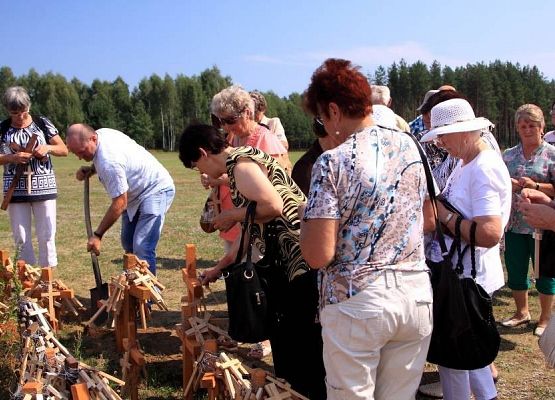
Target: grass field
x=522, y=371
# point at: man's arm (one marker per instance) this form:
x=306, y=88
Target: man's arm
x=118, y=206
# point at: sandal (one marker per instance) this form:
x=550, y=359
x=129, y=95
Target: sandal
x=260, y=350
x=514, y=321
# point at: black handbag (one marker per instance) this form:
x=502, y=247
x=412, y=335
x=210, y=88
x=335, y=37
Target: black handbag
x=247, y=301
x=465, y=333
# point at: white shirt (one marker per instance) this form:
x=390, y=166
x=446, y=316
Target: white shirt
x=482, y=187
x=123, y=166
x=550, y=137
x=275, y=126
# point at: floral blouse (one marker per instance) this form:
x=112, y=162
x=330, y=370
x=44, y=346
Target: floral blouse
x=540, y=168
x=375, y=185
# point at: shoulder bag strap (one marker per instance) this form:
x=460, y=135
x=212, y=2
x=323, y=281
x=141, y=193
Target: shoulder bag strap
x=432, y=193
x=473, y=248
x=247, y=229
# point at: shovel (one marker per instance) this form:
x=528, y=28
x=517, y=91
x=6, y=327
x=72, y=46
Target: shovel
x=100, y=292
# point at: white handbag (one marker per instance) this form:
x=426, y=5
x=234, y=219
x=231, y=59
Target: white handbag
x=547, y=342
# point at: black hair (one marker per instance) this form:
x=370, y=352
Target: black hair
x=197, y=136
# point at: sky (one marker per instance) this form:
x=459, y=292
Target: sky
x=267, y=45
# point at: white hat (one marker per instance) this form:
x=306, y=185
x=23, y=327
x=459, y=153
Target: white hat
x=427, y=96
x=452, y=116
x=384, y=116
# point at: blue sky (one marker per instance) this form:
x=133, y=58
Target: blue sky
x=267, y=45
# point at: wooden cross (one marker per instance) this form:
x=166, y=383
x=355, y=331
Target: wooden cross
x=29, y=172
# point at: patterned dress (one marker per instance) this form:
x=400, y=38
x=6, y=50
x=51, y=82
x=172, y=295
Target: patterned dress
x=375, y=185
x=43, y=181
x=540, y=168
x=287, y=225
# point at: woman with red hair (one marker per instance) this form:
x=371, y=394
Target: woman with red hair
x=363, y=229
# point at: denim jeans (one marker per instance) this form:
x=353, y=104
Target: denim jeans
x=140, y=236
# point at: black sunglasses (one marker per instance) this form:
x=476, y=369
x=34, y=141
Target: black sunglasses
x=318, y=128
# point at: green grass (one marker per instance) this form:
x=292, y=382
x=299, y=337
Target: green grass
x=522, y=370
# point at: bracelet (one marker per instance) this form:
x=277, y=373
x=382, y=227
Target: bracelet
x=98, y=235
x=537, y=186
x=448, y=218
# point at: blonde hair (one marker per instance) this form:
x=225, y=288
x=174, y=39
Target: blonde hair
x=531, y=112
x=231, y=101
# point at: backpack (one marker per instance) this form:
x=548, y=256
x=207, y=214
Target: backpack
x=6, y=124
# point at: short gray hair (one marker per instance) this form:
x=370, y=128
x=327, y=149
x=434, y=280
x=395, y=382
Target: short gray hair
x=232, y=101
x=380, y=95
x=16, y=98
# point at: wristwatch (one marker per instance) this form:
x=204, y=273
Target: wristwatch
x=448, y=218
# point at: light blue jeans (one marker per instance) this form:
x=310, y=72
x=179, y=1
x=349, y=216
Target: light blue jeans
x=140, y=236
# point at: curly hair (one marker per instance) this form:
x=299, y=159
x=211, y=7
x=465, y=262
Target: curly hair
x=232, y=101
x=260, y=104
x=531, y=112
x=338, y=81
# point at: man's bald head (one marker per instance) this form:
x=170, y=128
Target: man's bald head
x=80, y=132
x=82, y=140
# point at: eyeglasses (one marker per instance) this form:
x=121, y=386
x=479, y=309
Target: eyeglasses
x=318, y=127
x=231, y=120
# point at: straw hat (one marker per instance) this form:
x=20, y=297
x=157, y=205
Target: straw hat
x=452, y=116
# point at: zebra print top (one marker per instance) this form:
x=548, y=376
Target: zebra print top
x=287, y=225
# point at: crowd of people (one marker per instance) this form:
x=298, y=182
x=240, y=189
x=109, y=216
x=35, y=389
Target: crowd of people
x=348, y=230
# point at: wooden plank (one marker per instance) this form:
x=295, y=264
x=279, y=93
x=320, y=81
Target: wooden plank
x=79, y=391
x=140, y=292
x=191, y=259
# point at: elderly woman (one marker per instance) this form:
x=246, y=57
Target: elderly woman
x=480, y=188
x=362, y=230
x=234, y=107
x=255, y=176
x=35, y=194
x=531, y=165
x=236, y=110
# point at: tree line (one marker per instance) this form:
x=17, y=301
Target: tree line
x=156, y=111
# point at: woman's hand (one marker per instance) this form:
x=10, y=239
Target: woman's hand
x=21, y=157
x=535, y=196
x=210, y=275
x=225, y=220
x=515, y=185
x=526, y=182
x=41, y=151
x=205, y=181
x=538, y=215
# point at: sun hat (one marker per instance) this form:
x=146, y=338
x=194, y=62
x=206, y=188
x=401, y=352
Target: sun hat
x=452, y=116
x=427, y=96
x=384, y=116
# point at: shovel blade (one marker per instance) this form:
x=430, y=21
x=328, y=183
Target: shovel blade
x=97, y=294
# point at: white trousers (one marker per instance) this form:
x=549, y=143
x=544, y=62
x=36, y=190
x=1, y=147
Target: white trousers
x=44, y=213
x=458, y=384
x=376, y=342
